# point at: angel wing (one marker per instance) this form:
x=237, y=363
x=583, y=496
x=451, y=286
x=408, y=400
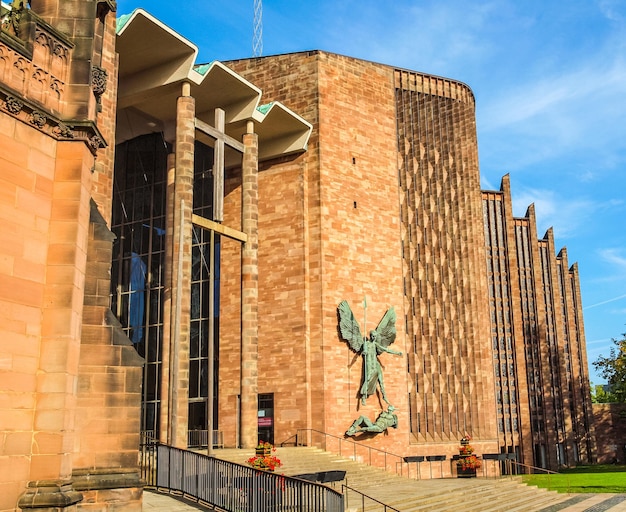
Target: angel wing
x=349, y=327
x=386, y=329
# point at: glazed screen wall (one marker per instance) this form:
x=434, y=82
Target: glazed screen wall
x=504, y=360
x=138, y=221
x=137, y=284
x=531, y=340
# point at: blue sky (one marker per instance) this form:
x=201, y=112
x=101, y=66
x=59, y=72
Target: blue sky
x=550, y=84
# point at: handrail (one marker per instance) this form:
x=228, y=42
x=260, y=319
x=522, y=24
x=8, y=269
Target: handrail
x=363, y=496
x=536, y=469
x=355, y=446
x=230, y=486
x=287, y=441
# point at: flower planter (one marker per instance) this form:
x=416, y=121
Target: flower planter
x=466, y=473
x=263, y=458
x=467, y=463
x=263, y=450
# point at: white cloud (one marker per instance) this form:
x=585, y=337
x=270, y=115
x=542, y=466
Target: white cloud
x=587, y=176
x=568, y=101
x=609, y=9
x=486, y=184
x=602, y=341
x=615, y=257
x=434, y=37
x=607, y=301
x=566, y=216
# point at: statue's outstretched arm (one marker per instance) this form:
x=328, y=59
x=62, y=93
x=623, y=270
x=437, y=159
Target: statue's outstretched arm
x=389, y=350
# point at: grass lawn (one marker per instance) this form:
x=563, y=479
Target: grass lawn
x=593, y=479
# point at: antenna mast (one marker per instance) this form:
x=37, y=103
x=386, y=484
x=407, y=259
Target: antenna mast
x=257, y=41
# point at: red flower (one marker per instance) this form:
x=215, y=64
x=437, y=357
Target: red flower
x=471, y=462
x=466, y=450
x=264, y=462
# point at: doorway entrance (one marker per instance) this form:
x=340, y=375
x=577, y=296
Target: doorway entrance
x=266, y=418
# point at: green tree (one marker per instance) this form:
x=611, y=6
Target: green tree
x=613, y=369
x=601, y=395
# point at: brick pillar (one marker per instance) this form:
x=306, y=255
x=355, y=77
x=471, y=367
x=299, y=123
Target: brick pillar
x=181, y=229
x=102, y=189
x=249, y=291
x=164, y=421
x=523, y=406
x=589, y=448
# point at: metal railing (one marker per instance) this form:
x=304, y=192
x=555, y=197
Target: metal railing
x=363, y=499
x=501, y=464
x=518, y=468
x=349, y=448
x=229, y=486
x=200, y=439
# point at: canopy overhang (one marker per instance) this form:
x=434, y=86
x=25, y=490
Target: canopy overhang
x=155, y=61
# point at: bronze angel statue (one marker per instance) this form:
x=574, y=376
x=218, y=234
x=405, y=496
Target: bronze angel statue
x=370, y=348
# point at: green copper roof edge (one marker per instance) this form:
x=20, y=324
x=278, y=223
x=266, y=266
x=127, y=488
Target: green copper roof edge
x=122, y=20
x=264, y=109
x=202, y=68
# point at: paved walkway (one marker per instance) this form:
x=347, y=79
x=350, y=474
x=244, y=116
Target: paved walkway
x=591, y=503
x=153, y=501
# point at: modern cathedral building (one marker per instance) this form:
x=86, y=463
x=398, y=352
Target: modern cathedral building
x=177, y=238
x=386, y=204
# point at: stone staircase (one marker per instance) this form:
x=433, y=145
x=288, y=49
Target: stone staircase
x=412, y=495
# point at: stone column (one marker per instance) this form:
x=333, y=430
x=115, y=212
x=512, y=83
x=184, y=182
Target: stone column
x=525, y=437
x=181, y=229
x=249, y=290
x=164, y=413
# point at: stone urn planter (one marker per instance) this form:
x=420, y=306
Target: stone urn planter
x=467, y=462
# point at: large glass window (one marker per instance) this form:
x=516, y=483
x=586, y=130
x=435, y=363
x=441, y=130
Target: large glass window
x=137, y=281
x=200, y=293
x=138, y=221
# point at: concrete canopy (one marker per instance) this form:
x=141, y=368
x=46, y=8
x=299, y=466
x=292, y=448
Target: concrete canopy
x=154, y=62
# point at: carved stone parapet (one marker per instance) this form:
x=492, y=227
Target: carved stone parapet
x=62, y=131
x=37, y=64
x=13, y=105
x=11, y=21
x=95, y=143
x=51, y=494
x=48, y=123
x=58, y=42
x=30, y=80
x=99, y=78
x=57, y=87
x=88, y=132
x=58, y=50
x=38, y=119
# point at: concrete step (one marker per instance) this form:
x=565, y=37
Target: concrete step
x=464, y=499
x=409, y=495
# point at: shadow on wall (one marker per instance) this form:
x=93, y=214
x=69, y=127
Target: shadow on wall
x=610, y=427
